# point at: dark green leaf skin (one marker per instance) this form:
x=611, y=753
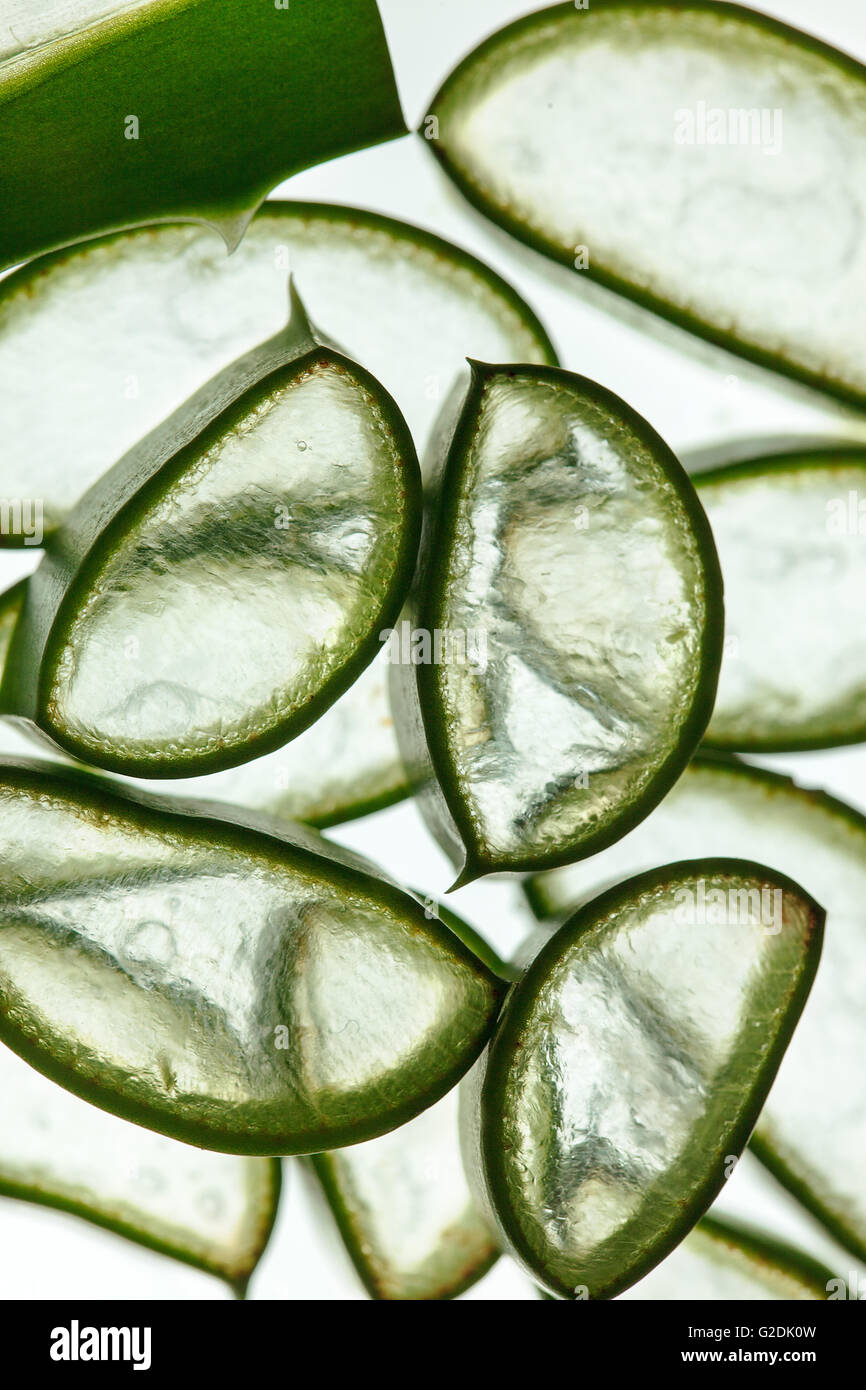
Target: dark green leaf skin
x=772, y=1254
x=657, y=1208
x=123, y=495
x=414, y=698
x=231, y=98
x=828, y=381
x=205, y=1016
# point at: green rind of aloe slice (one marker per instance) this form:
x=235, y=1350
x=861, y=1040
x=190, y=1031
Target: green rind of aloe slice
x=630, y=1064
x=811, y=1131
x=723, y=1260
x=570, y=599
x=212, y=1211
x=223, y=982
x=635, y=141
x=103, y=128
x=790, y=532
x=229, y=578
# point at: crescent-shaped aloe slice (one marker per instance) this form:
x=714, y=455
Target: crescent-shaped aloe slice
x=229, y=577
x=686, y=153
x=791, y=534
x=214, y=1211
x=409, y=305
x=570, y=601
x=812, y=1132
x=723, y=1261
x=631, y=1062
x=206, y=979
x=405, y=1212
x=142, y=136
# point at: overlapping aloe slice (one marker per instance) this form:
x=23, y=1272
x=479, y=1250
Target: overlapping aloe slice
x=10, y=608
x=791, y=534
x=407, y=304
x=812, y=1131
x=211, y=1210
x=405, y=1211
x=273, y=89
x=229, y=577
x=722, y=1261
x=570, y=603
x=683, y=154
x=630, y=1064
x=242, y=992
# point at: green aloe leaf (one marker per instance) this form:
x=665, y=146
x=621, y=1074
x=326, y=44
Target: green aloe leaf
x=101, y=127
x=405, y=1212
x=789, y=530
x=218, y=588
x=630, y=1064
x=196, y=310
x=723, y=1261
x=214, y=1211
x=812, y=1132
x=225, y=983
x=570, y=602
x=684, y=155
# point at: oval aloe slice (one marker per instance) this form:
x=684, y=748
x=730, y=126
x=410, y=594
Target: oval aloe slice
x=405, y=1212
x=722, y=1261
x=229, y=577
x=214, y=1211
x=570, y=603
x=631, y=1061
x=812, y=1132
x=647, y=137
x=288, y=87
x=243, y=992
x=195, y=311
x=791, y=534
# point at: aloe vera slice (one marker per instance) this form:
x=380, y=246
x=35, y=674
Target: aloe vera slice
x=686, y=153
x=630, y=1063
x=722, y=1261
x=229, y=577
x=407, y=304
x=142, y=137
x=214, y=1211
x=812, y=1132
x=405, y=1212
x=570, y=600
x=213, y=982
x=790, y=531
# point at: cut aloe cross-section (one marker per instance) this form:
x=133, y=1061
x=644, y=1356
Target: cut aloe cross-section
x=405, y=1211
x=682, y=154
x=791, y=535
x=243, y=992
x=218, y=588
x=630, y=1064
x=345, y=765
x=570, y=601
x=139, y=135
x=812, y=1132
x=408, y=305
x=214, y=1211
x=723, y=1261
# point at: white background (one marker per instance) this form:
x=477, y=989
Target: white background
x=695, y=396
